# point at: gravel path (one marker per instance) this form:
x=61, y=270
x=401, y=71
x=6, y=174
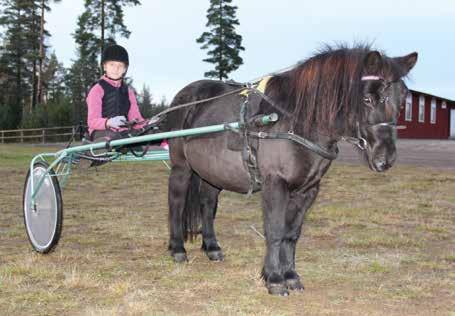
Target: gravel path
x=425, y=153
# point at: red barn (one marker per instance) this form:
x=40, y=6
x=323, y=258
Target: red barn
x=427, y=116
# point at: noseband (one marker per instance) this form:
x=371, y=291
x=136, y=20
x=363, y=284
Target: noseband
x=359, y=141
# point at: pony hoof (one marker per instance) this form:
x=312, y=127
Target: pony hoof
x=216, y=255
x=278, y=289
x=294, y=284
x=180, y=257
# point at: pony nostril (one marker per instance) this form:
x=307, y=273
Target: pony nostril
x=381, y=164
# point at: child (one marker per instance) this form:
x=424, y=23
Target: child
x=111, y=102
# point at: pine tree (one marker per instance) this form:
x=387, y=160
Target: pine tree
x=222, y=39
x=84, y=71
x=22, y=57
x=106, y=17
x=17, y=55
x=44, y=7
x=9, y=110
x=145, y=101
x=54, y=74
x=32, y=37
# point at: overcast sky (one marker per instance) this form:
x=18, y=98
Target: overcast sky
x=276, y=34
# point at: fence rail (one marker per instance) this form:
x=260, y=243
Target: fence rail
x=34, y=135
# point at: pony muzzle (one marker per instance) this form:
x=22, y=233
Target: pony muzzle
x=381, y=158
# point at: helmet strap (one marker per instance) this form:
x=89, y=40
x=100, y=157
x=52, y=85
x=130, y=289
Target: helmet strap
x=121, y=78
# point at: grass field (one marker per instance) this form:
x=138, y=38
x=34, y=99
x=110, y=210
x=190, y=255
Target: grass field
x=373, y=244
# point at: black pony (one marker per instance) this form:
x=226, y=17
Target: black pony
x=340, y=93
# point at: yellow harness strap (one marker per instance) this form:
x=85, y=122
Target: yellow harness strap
x=260, y=86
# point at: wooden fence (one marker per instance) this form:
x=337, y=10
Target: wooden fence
x=38, y=135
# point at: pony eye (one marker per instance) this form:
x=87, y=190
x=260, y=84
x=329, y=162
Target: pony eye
x=367, y=100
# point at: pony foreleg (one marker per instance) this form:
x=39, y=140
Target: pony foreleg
x=275, y=195
x=179, y=182
x=209, y=202
x=295, y=213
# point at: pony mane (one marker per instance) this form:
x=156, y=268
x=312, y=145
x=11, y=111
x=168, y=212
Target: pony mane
x=324, y=93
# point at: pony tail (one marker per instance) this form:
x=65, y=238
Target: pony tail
x=192, y=213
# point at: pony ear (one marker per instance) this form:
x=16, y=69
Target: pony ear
x=373, y=63
x=407, y=62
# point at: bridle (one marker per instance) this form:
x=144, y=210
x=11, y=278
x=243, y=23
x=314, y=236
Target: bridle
x=359, y=141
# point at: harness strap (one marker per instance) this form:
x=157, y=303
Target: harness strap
x=360, y=143
x=108, y=145
x=143, y=153
x=293, y=116
x=174, y=108
x=249, y=155
x=325, y=153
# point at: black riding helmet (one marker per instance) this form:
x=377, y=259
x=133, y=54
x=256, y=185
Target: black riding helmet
x=115, y=53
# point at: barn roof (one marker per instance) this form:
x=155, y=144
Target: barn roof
x=431, y=95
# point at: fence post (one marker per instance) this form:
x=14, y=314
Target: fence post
x=22, y=136
x=44, y=135
x=3, y=137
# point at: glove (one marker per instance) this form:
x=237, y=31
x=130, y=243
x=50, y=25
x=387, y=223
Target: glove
x=116, y=121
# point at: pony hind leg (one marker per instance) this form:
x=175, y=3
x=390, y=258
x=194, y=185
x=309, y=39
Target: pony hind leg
x=209, y=202
x=295, y=214
x=275, y=195
x=179, y=183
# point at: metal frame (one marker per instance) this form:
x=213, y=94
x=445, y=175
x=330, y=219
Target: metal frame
x=64, y=158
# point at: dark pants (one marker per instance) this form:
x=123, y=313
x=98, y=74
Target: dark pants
x=107, y=135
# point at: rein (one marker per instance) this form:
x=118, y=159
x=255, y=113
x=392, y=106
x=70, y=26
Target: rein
x=156, y=117
x=316, y=148
x=358, y=141
x=290, y=135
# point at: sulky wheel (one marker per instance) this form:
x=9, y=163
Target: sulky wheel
x=43, y=220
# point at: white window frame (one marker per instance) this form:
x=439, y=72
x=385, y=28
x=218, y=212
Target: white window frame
x=422, y=109
x=433, y=111
x=408, y=108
